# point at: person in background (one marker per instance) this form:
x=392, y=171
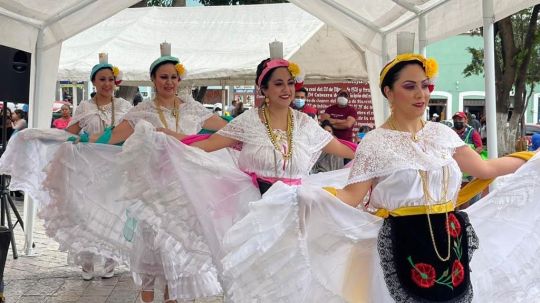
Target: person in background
x=535, y=141
x=231, y=107
x=65, y=119
x=341, y=116
x=435, y=117
x=475, y=123
x=326, y=161
x=299, y=103
x=238, y=109
x=7, y=124
x=18, y=119
x=466, y=132
x=362, y=131
x=472, y=138
x=137, y=98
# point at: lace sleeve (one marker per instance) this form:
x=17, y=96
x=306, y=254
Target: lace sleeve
x=123, y=107
x=316, y=138
x=244, y=128
x=143, y=111
x=196, y=112
x=368, y=161
x=80, y=113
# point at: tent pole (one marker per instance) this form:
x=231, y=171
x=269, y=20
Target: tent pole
x=489, y=71
x=29, y=204
x=422, y=40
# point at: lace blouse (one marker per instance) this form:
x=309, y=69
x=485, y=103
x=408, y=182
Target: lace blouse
x=192, y=115
x=93, y=120
x=258, y=154
x=392, y=160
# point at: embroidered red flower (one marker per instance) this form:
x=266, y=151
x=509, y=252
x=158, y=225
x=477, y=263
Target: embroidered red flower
x=454, y=228
x=458, y=273
x=423, y=275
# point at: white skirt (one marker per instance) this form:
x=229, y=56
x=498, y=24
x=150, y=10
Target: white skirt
x=304, y=245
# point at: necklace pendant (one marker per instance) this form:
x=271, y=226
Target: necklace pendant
x=414, y=137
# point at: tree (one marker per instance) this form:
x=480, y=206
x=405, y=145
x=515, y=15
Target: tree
x=238, y=2
x=517, y=51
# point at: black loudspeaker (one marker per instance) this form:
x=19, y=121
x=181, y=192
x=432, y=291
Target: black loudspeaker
x=14, y=75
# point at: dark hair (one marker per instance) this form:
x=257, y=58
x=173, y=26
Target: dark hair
x=20, y=113
x=391, y=76
x=302, y=89
x=153, y=71
x=92, y=94
x=260, y=68
x=326, y=123
x=94, y=75
x=364, y=129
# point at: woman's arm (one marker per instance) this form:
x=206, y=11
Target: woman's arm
x=119, y=134
x=74, y=128
x=213, y=143
x=353, y=194
x=469, y=161
x=214, y=123
x=335, y=147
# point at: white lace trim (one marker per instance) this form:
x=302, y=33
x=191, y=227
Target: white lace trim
x=91, y=119
x=385, y=151
x=192, y=115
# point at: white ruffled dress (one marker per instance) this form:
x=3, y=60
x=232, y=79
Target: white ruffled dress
x=194, y=197
x=301, y=244
x=112, y=215
x=26, y=159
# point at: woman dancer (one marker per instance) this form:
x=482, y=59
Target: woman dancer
x=420, y=252
x=174, y=114
x=31, y=150
x=278, y=146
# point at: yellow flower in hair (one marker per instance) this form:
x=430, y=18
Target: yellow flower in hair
x=431, y=67
x=180, y=69
x=294, y=69
x=115, y=71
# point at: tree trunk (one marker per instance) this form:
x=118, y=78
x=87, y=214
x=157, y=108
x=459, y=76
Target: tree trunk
x=199, y=93
x=127, y=92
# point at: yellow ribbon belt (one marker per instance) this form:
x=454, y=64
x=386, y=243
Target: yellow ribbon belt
x=470, y=190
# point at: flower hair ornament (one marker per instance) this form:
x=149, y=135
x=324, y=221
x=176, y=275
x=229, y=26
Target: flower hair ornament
x=104, y=63
x=165, y=49
x=276, y=60
x=429, y=64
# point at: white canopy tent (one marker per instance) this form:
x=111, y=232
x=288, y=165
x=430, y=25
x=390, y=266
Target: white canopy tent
x=373, y=25
x=219, y=45
x=39, y=27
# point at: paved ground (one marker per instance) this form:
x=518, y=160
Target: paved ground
x=46, y=277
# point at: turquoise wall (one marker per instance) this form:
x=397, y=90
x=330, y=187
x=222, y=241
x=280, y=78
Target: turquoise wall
x=453, y=57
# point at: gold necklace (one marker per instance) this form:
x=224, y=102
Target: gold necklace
x=175, y=112
x=427, y=196
x=273, y=137
x=392, y=123
x=102, y=110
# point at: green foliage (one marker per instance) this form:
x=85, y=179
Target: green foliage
x=238, y=2
x=167, y=3
x=520, y=23
x=476, y=67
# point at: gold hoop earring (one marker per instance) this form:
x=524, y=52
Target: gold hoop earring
x=266, y=101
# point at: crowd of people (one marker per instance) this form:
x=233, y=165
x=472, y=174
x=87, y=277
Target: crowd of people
x=383, y=225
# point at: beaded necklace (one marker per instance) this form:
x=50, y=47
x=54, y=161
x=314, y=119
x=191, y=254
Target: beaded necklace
x=273, y=137
x=102, y=110
x=427, y=195
x=175, y=112
x=392, y=123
